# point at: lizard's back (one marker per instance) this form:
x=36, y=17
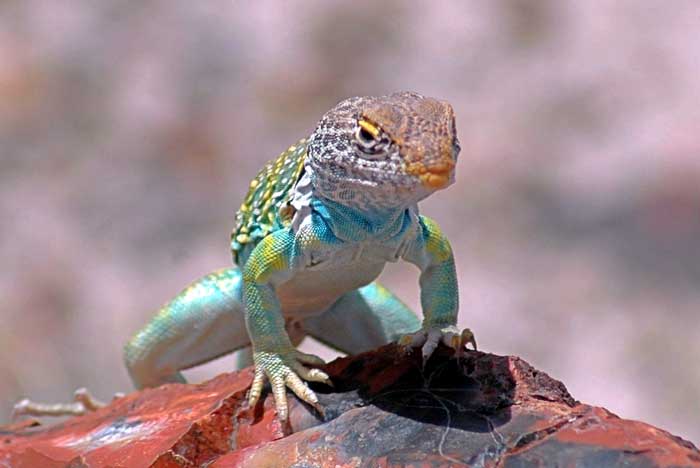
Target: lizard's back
x=266, y=208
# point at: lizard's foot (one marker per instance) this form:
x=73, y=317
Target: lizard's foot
x=430, y=337
x=284, y=369
x=83, y=403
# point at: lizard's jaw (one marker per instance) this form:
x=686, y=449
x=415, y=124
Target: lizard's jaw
x=435, y=181
x=435, y=176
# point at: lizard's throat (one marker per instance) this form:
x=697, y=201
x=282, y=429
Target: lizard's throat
x=350, y=220
x=372, y=198
x=352, y=225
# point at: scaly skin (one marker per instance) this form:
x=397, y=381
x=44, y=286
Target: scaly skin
x=314, y=232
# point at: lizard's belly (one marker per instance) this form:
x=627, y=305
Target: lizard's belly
x=311, y=291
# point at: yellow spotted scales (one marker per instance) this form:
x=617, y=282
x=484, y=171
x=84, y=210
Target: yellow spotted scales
x=266, y=206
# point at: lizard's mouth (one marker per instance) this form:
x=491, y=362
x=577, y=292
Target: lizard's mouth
x=435, y=180
x=434, y=176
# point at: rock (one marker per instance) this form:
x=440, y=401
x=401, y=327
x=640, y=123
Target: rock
x=384, y=411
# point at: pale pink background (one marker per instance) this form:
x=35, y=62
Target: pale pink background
x=129, y=131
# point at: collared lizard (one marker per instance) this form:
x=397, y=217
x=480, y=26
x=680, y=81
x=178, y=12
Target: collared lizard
x=315, y=230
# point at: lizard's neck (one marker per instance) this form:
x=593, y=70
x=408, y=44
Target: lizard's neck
x=352, y=214
x=354, y=224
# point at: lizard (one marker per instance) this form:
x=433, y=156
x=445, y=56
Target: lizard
x=315, y=230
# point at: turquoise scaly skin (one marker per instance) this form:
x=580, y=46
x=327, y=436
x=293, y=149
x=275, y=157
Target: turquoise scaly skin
x=314, y=232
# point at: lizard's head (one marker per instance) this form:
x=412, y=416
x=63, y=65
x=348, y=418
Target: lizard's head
x=386, y=151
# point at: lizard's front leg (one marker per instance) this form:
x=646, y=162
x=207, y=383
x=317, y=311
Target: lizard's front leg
x=432, y=253
x=274, y=354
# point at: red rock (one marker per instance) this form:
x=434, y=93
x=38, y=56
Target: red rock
x=384, y=411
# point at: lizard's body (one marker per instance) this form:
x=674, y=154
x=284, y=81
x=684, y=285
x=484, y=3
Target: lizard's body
x=322, y=273
x=314, y=232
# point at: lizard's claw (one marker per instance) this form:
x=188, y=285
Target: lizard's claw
x=430, y=337
x=284, y=370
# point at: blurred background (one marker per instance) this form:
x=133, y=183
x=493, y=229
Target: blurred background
x=129, y=132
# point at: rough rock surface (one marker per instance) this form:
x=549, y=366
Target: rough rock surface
x=385, y=411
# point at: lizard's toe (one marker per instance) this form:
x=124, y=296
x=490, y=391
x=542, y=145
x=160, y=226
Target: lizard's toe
x=450, y=336
x=468, y=338
x=312, y=375
x=20, y=408
x=431, y=343
x=279, y=392
x=310, y=359
x=430, y=337
x=301, y=390
x=83, y=396
x=413, y=340
x=256, y=387
x=283, y=369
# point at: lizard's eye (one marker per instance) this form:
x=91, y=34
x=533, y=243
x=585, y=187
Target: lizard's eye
x=364, y=137
x=370, y=139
